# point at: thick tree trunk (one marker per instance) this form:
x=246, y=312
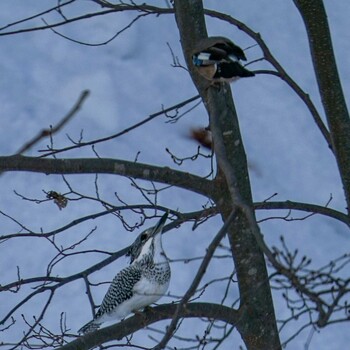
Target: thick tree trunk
x=316, y=23
x=257, y=324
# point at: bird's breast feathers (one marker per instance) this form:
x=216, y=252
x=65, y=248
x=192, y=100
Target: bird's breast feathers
x=148, y=291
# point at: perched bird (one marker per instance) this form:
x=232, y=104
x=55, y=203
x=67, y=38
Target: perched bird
x=138, y=285
x=217, y=59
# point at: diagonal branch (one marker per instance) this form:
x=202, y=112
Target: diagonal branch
x=281, y=71
x=48, y=132
x=201, y=271
x=141, y=320
x=37, y=15
x=114, y=8
x=132, y=127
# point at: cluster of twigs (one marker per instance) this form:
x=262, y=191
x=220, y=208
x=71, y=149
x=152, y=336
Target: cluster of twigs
x=318, y=296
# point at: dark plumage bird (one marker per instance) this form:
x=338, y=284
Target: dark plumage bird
x=217, y=59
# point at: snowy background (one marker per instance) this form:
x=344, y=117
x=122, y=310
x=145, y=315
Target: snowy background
x=42, y=76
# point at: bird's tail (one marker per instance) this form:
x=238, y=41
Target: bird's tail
x=232, y=69
x=89, y=327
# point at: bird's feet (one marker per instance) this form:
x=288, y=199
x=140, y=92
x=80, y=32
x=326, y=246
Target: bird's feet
x=148, y=309
x=142, y=313
x=144, y=310
x=138, y=313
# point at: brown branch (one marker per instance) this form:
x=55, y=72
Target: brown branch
x=20, y=282
x=55, y=8
x=114, y=36
x=116, y=8
x=49, y=132
x=107, y=166
x=141, y=320
x=310, y=208
x=331, y=91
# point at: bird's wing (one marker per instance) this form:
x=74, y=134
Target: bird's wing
x=232, y=70
x=220, y=46
x=121, y=289
x=205, y=43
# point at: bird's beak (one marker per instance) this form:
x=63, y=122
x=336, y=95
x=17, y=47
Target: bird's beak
x=159, y=227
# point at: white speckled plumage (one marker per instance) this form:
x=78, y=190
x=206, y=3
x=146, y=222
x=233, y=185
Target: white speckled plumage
x=142, y=283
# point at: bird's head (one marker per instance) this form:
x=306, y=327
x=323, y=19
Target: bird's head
x=145, y=240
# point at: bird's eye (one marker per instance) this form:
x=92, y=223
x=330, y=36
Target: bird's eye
x=143, y=236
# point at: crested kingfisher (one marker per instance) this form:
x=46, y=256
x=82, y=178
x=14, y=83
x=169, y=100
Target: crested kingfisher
x=138, y=285
x=217, y=59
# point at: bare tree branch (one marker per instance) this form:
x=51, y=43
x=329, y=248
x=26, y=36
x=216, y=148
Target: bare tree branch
x=49, y=132
x=115, y=8
x=311, y=208
x=281, y=71
x=196, y=216
x=107, y=166
x=55, y=8
x=135, y=126
x=161, y=312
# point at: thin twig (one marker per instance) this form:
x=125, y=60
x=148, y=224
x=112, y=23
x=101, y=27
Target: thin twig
x=132, y=127
x=116, y=8
x=47, y=132
x=307, y=207
x=36, y=15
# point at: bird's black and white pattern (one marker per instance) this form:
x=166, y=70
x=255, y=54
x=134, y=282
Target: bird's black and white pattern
x=138, y=285
x=218, y=60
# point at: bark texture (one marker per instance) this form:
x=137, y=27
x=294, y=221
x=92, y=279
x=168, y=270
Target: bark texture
x=332, y=96
x=257, y=324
